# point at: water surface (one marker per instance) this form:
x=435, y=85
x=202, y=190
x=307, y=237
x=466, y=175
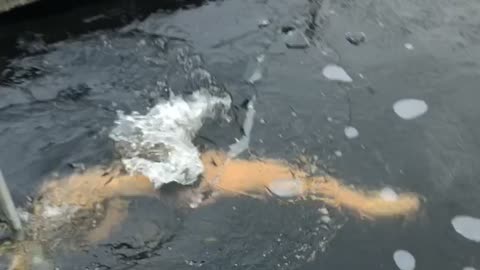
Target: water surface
x=62, y=84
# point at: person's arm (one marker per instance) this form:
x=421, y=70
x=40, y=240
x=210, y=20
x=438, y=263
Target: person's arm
x=247, y=177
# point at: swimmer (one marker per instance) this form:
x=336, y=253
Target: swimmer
x=60, y=202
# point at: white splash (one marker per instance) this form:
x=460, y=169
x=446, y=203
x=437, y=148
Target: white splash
x=323, y=211
x=286, y=188
x=388, y=194
x=468, y=227
x=336, y=73
x=159, y=143
x=52, y=212
x=351, y=132
x=468, y=268
x=404, y=260
x=409, y=109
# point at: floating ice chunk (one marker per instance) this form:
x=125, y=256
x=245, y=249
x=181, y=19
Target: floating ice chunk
x=286, y=188
x=94, y=18
x=254, y=70
x=256, y=76
x=243, y=144
x=408, y=46
x=351, y=132
x=263, y=23
x=404, y=260
x=409, y=109
x=297, y=40
x=355, y=38
x=336, y=73
x=338, y=153
x=388, y=194
x=468, y=227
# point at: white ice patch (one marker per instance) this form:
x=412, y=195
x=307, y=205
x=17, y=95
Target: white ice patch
x=388, y=194
x=336, y=73
x=286, y=188
x=408, y=46
x=409, y=109
x=404, y=260
x=351, y=132
x=159, y=143
x=468, y=227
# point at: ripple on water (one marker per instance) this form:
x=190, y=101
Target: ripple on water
x=409, y=109
x=336, y=73
x=468, y=227
x=404, y=260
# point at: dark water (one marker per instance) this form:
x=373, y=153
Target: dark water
x=63, y=77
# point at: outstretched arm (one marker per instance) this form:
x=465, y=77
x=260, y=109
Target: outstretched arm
x=236, y=176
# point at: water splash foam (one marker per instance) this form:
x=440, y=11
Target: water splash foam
x=159, y=143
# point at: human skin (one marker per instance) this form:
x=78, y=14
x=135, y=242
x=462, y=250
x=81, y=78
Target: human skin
x=222, y=175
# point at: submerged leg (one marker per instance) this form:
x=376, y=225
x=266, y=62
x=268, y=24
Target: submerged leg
x=117, y=211
x=29, y=255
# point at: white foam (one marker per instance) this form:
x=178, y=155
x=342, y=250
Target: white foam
x=468, y=227
x=409, y=109
x=286, y=188
x=468, y=268
x=404, y=260
x=159, y=143
x=23, y=215
x=53, y=212
x=325, y=219
x=336, y=73
x=351, y=132
x=388, y=194
x=323, y=211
